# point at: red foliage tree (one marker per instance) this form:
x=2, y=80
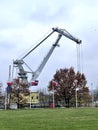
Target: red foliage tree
x=67, y=83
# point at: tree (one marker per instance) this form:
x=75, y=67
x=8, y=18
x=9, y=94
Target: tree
x=84, y=96
x=18, y=92
x=67, y=83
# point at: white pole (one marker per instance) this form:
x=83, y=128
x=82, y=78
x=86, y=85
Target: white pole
x=76, y=98
x=92, y=94
x=76, y=92
x=30, y=99
x=53, y=94
x=5, y=100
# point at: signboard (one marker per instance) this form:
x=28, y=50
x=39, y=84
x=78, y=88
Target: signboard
x=34, y=97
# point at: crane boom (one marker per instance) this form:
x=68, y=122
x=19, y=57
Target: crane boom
x=19, y=62
x=40, y=68
x=38, y=44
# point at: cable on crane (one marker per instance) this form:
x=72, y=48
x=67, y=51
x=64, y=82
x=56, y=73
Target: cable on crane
x=34, y=46
x=79, y=58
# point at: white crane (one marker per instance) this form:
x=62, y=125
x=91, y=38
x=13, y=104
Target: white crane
x=35, y=74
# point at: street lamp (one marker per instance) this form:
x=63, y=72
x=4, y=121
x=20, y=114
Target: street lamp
x=76, y=89
x=76, y=97
x=54, y=84
x=92, y=94
x=30, y=98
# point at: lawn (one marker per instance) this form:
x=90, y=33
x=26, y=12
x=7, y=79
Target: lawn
x=49, y=119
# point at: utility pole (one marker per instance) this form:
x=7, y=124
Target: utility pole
x=92, y=94
x=54, y=84
x=76, y=100
x=53, y=96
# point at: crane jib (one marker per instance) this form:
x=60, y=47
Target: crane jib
x=67, y=34
x=35, y=74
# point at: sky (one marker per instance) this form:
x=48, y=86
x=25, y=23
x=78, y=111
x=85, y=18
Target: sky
x=24, y=22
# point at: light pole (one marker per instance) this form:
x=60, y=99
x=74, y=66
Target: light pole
x=76, y=97
x=30, y=100
x=54, y=84
x=53, y=96
x=5, y=100
x=92, y=94
x=76, y=92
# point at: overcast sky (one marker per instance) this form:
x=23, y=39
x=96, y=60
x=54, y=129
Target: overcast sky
x=24, y=22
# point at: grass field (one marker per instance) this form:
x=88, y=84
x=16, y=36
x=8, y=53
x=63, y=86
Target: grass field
x=49, y=119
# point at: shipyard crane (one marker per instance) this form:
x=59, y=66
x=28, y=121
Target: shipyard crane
x=35, y=74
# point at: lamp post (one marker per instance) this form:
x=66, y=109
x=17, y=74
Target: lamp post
x=76, y=93
x=53, y=96
x=76, y=97
x=54, y=84
x=30, y=100
x=92, y=94
x=5, y=101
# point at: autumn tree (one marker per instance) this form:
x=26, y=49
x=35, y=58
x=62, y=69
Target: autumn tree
x=84, y=97
x=67, y=83
x=18, y=92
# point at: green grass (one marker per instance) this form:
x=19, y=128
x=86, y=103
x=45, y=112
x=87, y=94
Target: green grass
x=49, y=119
